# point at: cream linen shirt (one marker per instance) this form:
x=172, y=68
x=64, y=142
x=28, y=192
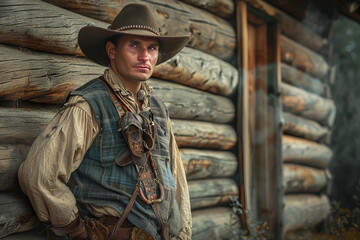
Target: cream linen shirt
x=59, y=150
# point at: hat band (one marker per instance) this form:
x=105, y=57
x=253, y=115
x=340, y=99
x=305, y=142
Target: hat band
x=138, y=27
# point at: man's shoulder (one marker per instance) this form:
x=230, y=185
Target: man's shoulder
x=158, y=105
x=92, y=85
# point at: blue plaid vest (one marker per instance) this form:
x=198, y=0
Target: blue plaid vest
x=101, y=182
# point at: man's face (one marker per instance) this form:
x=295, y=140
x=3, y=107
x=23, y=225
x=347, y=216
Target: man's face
x=134, y=57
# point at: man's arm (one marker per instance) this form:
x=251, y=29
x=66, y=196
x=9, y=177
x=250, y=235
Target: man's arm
x=182, y=191
x=55, y=154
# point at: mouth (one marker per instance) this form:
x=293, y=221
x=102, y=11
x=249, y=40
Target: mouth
x=143, y=67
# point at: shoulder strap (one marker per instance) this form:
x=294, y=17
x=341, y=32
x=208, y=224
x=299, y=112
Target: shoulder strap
x=121, y=107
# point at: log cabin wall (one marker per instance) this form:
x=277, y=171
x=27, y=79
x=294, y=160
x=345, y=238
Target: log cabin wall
x=41, y=63
x=308, y=116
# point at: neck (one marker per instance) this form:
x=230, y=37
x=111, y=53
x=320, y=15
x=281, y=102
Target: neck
x=132, y=86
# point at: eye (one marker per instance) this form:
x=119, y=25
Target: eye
x=153, y=48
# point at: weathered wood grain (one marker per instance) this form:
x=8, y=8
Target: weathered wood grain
x=211, y=192
x=303, y=58
x=41, y=26
x=42, y=77
x=291, y=27
x=302, y=80
x=16, y=214
x=204, y=135
x=222, y=8
x=215, y=223
x=199, y=164
x=305, y=128
x=304, y=210
x=23, y=125
x=49, y=78
x=192, y=104
x=197, y=69
x=308, y=105
x=302, y=179
x=11, y=156
x=208, y=32
x=301, y=151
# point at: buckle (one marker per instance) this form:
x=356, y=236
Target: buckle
x=138, y=233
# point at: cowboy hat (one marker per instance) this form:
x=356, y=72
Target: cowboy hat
x=133, y=19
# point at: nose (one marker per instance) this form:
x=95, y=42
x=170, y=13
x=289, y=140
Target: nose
x=143, y=55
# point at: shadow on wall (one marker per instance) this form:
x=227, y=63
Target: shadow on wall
x=345, y=165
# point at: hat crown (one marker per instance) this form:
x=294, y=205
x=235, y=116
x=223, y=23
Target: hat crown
x=135, y=16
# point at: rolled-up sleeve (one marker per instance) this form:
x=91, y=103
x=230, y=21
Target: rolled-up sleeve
x=182, y=190
x=54, y=155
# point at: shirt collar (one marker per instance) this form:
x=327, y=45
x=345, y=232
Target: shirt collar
x=117, y=85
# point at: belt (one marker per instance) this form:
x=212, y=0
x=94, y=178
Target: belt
x=126, y=231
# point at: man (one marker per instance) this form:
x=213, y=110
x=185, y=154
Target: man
x=107, y=166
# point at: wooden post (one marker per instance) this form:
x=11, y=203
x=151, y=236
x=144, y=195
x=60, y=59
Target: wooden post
x=243, y=110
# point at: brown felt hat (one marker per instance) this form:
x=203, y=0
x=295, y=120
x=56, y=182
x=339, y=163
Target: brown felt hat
x=133, y=19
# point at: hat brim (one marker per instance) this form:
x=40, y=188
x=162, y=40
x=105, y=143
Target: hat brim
x=92, y=41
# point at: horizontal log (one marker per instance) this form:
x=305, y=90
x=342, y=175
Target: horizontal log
x=197, y=69
x=211, y=192
x=304, y=128
x=42, y=77
x=200, y=164
x=308, y=105
x=301, y=80
x=192, y=104
x=23, y=125
x=49, y=78
x=56, y=29
x=291, y=27
x=301, y=179
x=215, y=223
x=301, y=151
x=208, y=32
x=303, y=58
x=222, y=8
x=304, y=211
x=11, y=156
x=204, y=135
x=16, y=214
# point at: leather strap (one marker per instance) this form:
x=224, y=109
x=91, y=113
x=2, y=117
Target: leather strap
x=128, y=207
x=76, y=227
x=121, y=107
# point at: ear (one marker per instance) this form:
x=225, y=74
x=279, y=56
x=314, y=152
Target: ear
x=110, y=50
